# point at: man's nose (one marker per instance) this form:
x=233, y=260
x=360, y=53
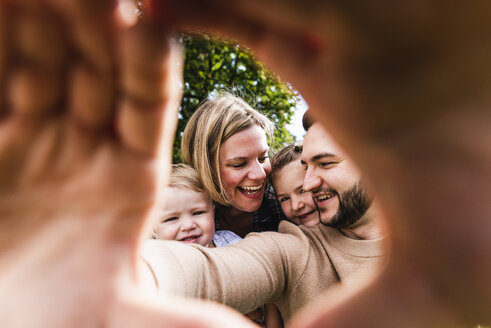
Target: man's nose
x=311, y=180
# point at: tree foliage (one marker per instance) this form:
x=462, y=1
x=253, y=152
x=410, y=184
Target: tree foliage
x=212, y=65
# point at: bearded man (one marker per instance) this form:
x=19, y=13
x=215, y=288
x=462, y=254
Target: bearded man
x=341, y=195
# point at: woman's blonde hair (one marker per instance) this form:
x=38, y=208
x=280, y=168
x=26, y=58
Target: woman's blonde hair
x=210, y=126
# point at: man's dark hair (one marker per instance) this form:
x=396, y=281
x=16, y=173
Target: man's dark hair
x=307, y=120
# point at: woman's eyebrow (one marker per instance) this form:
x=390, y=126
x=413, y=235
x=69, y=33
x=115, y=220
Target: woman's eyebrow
x=239, y=158
x=244, y=157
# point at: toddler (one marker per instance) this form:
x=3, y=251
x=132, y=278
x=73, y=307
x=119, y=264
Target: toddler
x=187, y=214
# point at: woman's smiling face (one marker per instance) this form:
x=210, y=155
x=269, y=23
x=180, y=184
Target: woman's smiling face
x=244, y=166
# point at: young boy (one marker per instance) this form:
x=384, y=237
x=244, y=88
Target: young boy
x=187, y=214
x=287, y=177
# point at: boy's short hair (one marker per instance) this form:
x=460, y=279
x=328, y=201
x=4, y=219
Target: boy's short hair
x=284, y=156
x=184, y=176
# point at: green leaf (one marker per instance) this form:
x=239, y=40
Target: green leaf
x=212, y=64
x=217, y=65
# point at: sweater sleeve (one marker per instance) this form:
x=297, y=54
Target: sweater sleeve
x=244, y=276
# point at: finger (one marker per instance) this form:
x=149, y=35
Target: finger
x=32, y=51
x=270, y=39
x=290, y=14
x=91, y=93
x=39, y=36
x=93, y=25
x=224, y=15
x=3, y=53
x=34, y=92
x=175, y=313
x=151, y=87
x=91, y=96
x=200, y=15
x=406, y=290
x=39, y=54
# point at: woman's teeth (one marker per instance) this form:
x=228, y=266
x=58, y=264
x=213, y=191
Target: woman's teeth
x=250, y=189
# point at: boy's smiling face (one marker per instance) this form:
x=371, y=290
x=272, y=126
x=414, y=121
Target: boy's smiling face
x=297, y=204
x=186, y=215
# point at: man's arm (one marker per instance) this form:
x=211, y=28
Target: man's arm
x=246, y=275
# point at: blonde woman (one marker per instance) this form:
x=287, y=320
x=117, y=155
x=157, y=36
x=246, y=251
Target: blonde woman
x=225, y=141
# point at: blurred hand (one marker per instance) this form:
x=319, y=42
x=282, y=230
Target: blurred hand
x=87, y=106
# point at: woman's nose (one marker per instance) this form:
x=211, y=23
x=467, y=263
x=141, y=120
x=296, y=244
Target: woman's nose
x=257, y=172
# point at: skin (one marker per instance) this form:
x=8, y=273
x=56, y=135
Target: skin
x=297, y=204
x=396, y=84
x=186, y=216
x=329, y=174
x=244, y=166
x=326, y=167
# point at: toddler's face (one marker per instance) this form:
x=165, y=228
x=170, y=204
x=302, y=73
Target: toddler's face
x=187, y=216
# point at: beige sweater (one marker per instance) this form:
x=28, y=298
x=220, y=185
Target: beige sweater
x=290, y=268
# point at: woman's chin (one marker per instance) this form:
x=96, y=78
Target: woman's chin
x=249, y=207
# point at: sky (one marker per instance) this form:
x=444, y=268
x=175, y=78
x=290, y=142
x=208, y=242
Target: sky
x=295, y=127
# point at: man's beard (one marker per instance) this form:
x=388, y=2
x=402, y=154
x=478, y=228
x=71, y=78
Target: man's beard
x=353, y=204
